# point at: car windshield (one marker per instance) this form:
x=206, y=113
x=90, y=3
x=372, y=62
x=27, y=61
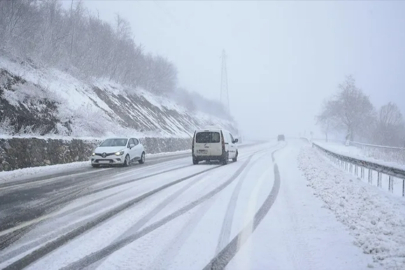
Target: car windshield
x=114, y=142
x=208, y=137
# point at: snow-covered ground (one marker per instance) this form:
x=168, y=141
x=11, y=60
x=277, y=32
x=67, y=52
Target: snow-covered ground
x=356, y=152
x=258, y=213
x=375, y=218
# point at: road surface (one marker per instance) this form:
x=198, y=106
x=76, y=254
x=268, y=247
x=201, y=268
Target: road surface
x=256, y=213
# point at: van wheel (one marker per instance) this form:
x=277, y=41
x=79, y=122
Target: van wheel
x=236, y=157
x=225, y=159
x=195, y=161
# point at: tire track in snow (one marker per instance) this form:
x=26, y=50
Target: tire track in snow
x=169, y=252
x=49, y=247
x=81, y=191
x=104, y=252
x=228, y=219
x=156, y=160
x=146, y=218
x=225, y=233
x=221, y=260
x=52, y=235
x=11, y=227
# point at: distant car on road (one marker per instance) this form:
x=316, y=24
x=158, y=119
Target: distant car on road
x=118, y=151
x=281, y=137
x=214, y=144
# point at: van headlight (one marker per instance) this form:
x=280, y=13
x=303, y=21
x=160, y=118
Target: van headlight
x=120, y=153
x=93, y=154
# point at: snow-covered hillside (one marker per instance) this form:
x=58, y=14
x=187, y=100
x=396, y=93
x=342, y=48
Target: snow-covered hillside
x=44, y=101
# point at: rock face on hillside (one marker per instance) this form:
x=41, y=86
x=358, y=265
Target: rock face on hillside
x=45, y=101
x=18, y=114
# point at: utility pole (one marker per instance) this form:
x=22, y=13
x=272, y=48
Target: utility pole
x=72, y=29
x=224, y=84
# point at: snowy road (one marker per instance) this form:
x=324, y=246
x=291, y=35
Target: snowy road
x=257, y=213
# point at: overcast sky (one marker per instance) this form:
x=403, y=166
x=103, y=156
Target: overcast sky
x=284, y=58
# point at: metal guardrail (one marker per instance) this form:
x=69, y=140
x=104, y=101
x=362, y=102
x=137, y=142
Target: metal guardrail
x=353, y=165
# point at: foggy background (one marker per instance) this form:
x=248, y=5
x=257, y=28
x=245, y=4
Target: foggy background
x=284, y=58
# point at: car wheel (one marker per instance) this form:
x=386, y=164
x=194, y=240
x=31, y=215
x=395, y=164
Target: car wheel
x=95, y=165
x=195, y=161
x=236, y=157
x=142, y=160
x=126, y=161
x=225, y=159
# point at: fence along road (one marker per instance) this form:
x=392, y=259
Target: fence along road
x=353, y=164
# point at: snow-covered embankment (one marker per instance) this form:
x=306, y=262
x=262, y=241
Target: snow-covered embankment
x=374, y=218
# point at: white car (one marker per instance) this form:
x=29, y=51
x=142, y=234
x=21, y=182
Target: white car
x=118, y=151
x=214, y=144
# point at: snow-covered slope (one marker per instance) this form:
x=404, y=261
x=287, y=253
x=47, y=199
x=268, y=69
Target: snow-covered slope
x=45, y=101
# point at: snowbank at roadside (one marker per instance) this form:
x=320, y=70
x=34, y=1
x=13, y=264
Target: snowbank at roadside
x=354, y=152
x=374, y=218
x=21, y=174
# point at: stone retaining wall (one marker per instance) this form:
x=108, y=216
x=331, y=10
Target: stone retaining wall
x=17, y=153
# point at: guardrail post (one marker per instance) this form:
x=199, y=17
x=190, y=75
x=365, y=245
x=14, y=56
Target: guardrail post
x=379, y=179
x=356, y=170
x=370, y=176
x=362, y=172
x=391, y=183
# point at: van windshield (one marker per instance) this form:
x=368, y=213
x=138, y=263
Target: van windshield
x=207, y=137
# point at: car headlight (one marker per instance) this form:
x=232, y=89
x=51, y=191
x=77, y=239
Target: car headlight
x=120, y=153
x=93, y=154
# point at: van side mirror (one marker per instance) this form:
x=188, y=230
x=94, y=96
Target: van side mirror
x=235, y=141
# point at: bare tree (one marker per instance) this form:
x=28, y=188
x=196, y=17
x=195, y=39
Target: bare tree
x=390, y=127
x=349, y=110
x=390, y=115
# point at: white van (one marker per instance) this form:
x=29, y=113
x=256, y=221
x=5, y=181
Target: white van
x=214, y=144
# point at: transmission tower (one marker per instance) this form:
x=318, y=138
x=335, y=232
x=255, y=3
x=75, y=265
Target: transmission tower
x=224, y=84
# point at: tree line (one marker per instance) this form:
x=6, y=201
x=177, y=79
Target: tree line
x=351, y=111
x=82, y=44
